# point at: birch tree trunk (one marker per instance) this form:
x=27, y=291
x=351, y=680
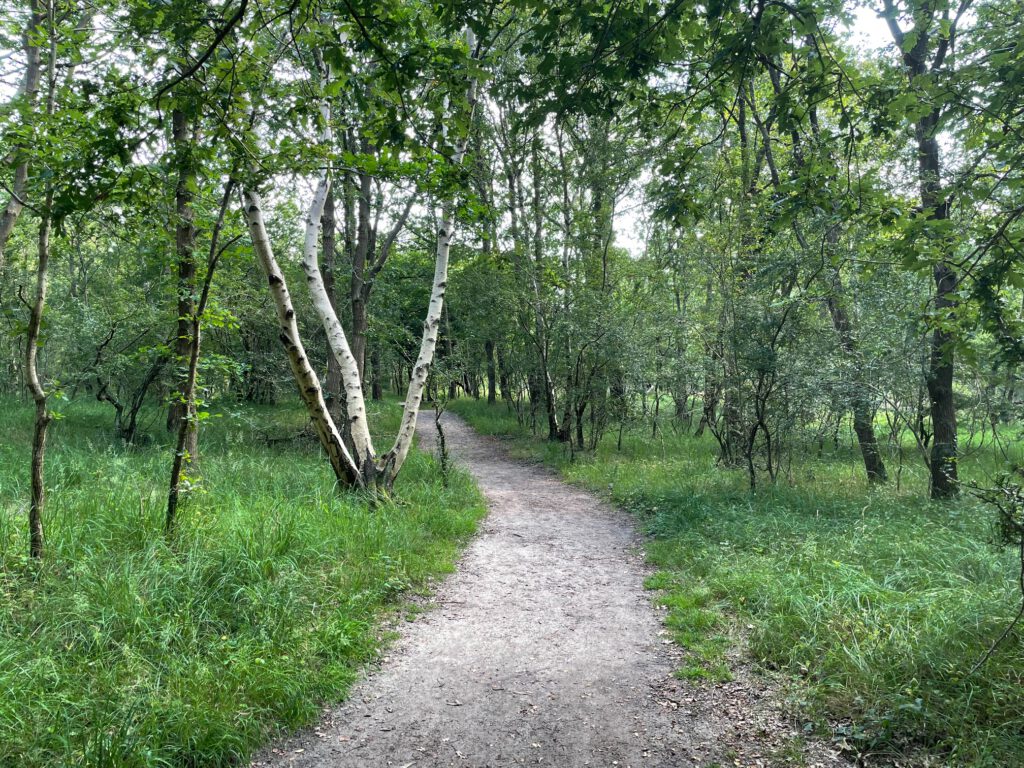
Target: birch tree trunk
x=355, y=404
x=362, y=469
x=392, y=462
x=345, y=468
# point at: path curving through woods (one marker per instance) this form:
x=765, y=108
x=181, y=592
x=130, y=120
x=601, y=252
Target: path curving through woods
x=542, y=649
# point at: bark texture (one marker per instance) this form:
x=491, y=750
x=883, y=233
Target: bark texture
x=392, y=462
x=341, y=461
x=355, y=405
x=37, y=502
x=184, y=245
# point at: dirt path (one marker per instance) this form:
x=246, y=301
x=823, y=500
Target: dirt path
x=543, y=649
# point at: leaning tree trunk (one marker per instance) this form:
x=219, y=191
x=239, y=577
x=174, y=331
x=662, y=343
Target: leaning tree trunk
x=345, y=469
x=863, y=421
x=362, y=469
x=392, y=462
x=355, y=405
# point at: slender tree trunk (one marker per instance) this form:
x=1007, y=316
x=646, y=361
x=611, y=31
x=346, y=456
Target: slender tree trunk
x=37, y=500
x=491, y=373
x=187, y=430
x=181, y=460
x=126, y=417
x=139, y=397
x=863, y=421
x=392, y=462
x=37, y=504
x=503, y=381
x=360, y=256
x=184, y=244
x=332, y=388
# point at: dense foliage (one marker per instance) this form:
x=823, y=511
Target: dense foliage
x=730, y=220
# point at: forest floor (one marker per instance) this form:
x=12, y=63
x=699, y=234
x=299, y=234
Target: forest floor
x=545, y=649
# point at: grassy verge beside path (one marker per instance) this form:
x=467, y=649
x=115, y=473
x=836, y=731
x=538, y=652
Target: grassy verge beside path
x=123, y=649
x=873, y=604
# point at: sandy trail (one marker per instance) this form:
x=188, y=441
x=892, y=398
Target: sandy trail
x=542, y=649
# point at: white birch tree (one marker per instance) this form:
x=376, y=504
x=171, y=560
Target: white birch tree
x=364, y=469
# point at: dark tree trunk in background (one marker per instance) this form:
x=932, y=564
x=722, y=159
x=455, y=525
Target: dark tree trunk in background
x=183, y=458
x=863, y=418
x=944, y=483
x=126, y=417
x=549, y=405
x=503, y=383
x=332, y=387
x=378, y=374
x=491, y=373
x=925, y=48
x=360, y=254
x=581, y=408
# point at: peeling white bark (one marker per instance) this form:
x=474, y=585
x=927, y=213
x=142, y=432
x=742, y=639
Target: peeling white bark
x=363, y=469
x=355, y=403
x=345, y=468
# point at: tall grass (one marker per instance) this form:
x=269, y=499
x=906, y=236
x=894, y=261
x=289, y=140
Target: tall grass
x=127, y=649
x=874, y=603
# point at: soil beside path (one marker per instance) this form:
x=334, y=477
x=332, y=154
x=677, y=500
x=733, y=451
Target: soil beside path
x=542, y=649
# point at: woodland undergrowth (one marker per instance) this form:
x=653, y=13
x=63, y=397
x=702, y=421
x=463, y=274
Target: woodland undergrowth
x=123, y=648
